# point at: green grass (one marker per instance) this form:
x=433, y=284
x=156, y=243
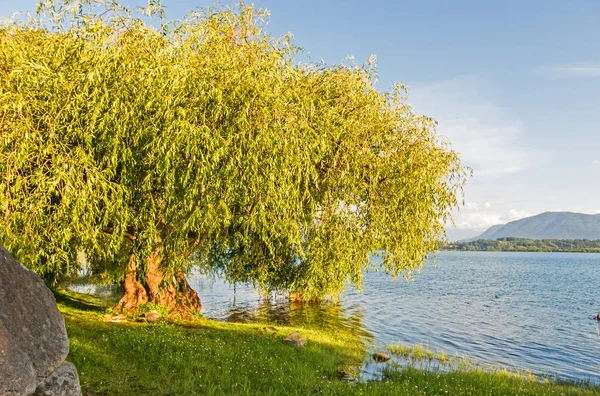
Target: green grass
x=214, y=358
x=399, y=350
x=417, y=351
x=442, y=358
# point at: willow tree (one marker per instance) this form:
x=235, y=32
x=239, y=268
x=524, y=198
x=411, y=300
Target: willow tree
x=154, y=145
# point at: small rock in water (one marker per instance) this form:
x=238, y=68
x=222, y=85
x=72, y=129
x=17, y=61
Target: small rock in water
x=152, y=316
x=294, y=339
x=381, y=357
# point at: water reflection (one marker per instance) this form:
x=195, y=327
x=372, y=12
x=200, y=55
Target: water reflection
x=242, y=304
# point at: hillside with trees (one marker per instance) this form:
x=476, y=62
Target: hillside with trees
x=547, y=225
x=527, y=245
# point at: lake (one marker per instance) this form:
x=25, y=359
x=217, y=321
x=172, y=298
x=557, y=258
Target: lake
x=531, y=311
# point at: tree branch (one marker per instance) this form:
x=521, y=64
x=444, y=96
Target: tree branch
x=129, y=234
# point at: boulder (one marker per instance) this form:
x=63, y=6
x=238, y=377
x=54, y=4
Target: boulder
x=152, y=316
x=294, y=339
x=33, y=339
x=17, y=375
x=64, y=381
x=381, y=357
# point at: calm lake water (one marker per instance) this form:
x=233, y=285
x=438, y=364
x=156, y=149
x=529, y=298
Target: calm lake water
x=532, y=311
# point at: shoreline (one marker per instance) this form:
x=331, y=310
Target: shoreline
x=213, y=357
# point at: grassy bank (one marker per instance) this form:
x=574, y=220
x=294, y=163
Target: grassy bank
x=213, y=358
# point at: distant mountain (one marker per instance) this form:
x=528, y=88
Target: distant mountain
x=548, y=225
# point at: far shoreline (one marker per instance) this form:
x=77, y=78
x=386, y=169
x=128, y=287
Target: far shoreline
x=524, y=245
x=516, y=251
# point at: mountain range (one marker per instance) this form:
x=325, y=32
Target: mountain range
x=547, y=225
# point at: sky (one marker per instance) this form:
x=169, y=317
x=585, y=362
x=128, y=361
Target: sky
x=514, y=86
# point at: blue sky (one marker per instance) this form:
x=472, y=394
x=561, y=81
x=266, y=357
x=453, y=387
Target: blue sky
x=514, y=85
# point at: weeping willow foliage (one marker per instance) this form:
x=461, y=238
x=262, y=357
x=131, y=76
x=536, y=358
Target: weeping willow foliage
x=122, y=132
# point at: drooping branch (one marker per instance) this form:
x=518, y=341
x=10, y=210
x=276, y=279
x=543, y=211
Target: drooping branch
x=129, y=233
x=194, y=242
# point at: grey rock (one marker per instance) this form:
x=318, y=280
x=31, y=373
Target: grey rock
x=294, y=339
x=33, y=338
x=17, y=376
x=118, y=318
x=29, y=313
x=64, y=381
x=348, y=374
x=152, y=316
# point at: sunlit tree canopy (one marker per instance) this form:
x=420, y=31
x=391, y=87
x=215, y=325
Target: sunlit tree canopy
x=153, y=145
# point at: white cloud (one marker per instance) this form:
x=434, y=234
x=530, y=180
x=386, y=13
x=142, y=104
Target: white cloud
x=486, y=135
x=596, y=162
x=477, y=205
x=514, y=214
x=482, y=215
x=570, y=71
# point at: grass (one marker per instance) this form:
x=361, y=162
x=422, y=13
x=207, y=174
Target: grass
x=399, y=350
x=417, y=351
x=429, y=354
x=442, y=357
x=207, y=357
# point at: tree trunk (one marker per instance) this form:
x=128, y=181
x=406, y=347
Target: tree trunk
x=134, y=294
x=173, y=292
x=187, y=298
x=154, y=276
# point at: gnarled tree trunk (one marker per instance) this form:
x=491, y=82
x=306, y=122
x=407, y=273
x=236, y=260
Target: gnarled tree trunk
x=134, y=294
x=173, y=292
x=187, y=298
x=154, y=276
